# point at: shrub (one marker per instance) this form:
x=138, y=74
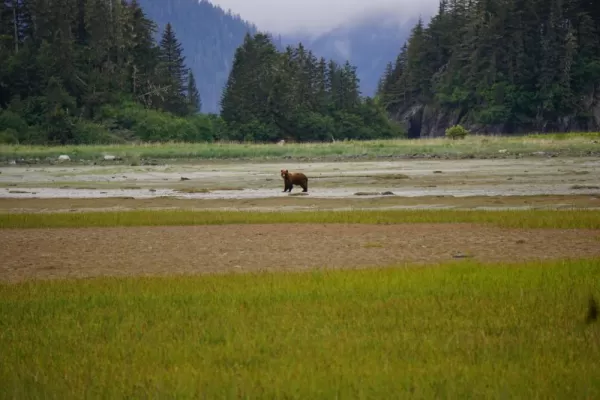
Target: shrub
x=456, y=132
x=203, y=128
x=156, y=126
x=13, y=121
x=93, y=133
x=8, y=136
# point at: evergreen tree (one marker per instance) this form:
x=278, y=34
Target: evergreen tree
x=351, y=87
x=517, y=65
x=86, y=71
x=193, y=97
x=385, y=78
x=172, y=73
x=321, y=87
x=142, y=57
x=209, y=36
x=295, y=96
x=246, y=104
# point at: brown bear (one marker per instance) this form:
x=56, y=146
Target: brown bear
x=294, y=178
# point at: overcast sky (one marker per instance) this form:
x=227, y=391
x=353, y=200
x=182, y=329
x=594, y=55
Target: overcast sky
x=317, y=16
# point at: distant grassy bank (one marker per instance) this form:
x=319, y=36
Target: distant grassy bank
x=572, y=144
x=563, y=219
x=464, y=330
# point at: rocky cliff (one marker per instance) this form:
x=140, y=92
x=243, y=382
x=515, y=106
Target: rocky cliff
x=428, y=120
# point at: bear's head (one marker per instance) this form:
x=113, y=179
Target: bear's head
x=284, y=173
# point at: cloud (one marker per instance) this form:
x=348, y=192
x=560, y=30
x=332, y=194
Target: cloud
x=318, y=16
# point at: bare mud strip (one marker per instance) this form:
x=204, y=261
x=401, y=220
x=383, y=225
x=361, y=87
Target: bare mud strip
x=347, y=183
x=82, y=253
x=14, y=205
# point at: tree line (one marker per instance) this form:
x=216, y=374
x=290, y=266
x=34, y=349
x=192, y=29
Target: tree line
x=209, y=36
x=293, y=95
x=89, y=71
x=513, y=65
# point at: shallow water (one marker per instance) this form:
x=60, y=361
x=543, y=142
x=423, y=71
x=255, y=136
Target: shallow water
x=498, y=190
x=460, y=178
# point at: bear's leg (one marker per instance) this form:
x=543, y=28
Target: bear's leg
x=305, y=187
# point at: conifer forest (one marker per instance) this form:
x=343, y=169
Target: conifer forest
x=101, y=71
x=499, y=66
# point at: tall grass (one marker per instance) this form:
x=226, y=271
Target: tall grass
x=465, y=330
x=580, y=218
x=573, y=143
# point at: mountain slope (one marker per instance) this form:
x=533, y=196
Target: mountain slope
x=209, y=36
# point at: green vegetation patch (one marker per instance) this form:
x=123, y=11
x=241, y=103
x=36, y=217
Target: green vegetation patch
x=570, y=144
x=577, y=218
x=464, y=330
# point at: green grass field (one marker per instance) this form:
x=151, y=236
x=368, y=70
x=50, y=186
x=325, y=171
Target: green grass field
x=577, y=218
x=573, y=144
x=462, y=330
x=458, y=330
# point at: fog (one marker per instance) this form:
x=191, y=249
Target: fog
x=318, y=16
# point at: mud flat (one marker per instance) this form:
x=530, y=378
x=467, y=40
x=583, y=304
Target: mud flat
x=135, y=251
x=28, y=205
x=493, y=183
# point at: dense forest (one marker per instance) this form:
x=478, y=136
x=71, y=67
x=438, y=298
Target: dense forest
x=499, y=66
x=100, y=71
x=90, y=71
x=292, y=95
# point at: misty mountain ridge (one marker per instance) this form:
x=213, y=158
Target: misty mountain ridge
x=210, y=35
x=369, y=43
